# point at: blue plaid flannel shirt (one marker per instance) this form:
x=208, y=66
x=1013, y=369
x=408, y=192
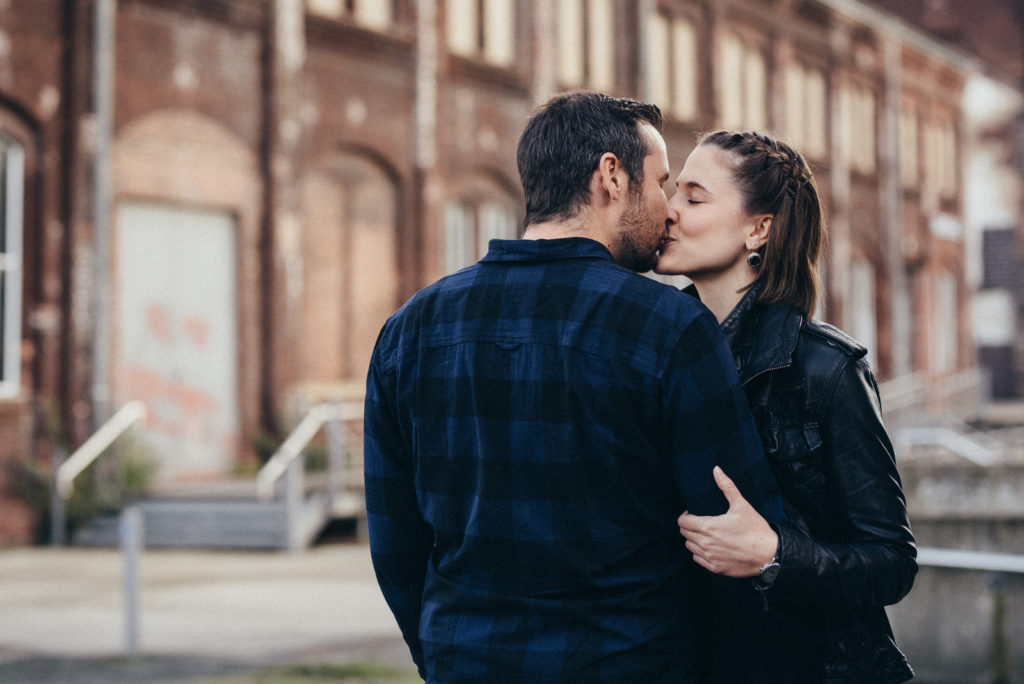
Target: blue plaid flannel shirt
x=534, y=425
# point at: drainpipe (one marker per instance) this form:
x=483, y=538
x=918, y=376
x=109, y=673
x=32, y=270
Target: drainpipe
x=103, y=94
x=425, y=125
x=426, y=84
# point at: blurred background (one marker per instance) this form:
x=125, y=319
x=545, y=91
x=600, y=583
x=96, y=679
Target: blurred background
x=209, y=207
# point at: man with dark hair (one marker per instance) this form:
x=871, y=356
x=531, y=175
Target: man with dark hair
x=535, y=424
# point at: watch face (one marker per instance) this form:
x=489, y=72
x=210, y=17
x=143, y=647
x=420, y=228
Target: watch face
x=769, y=573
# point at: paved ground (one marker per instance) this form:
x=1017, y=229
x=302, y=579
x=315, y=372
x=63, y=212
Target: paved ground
x=201, y=614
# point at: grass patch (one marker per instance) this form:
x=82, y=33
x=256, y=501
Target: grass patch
x=354, y=672
x=348, y=673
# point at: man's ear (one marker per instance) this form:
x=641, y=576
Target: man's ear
x=613, y=177
x=759, y=231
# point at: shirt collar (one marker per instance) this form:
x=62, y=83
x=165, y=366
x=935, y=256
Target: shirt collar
x=545, y=250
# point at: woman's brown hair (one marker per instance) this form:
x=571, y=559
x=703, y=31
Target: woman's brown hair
x=774, y=179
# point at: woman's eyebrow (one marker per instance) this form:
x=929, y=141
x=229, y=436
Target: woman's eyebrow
x=691, y=185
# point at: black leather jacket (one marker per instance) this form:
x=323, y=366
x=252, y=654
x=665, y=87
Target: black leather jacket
x=850, y=551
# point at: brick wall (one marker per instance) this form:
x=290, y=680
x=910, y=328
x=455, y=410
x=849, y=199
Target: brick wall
x=33, y=99
x=17, y=519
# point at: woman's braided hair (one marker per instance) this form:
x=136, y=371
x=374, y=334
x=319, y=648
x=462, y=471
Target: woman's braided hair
x=775, y=179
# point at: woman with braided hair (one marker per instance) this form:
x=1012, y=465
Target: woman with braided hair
x=748, y=233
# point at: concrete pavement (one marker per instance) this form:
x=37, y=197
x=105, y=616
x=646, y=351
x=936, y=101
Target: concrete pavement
x=201, y=613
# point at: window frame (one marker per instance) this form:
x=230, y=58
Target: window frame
x=680, y=106
x=586, y=20
x=811, y=138
x=945, y=345
x=857, y=98
x=349, y=12
x=864, y=312
x=11, y=261
x=480, y=49
x=752, y=54
x=941, y=154
x=463, y=244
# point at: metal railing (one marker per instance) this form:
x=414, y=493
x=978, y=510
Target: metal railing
x=907, y=396
x=966, y=592
x=287, y=463
x=983, y=561
x=64, y=473
x=970, y=448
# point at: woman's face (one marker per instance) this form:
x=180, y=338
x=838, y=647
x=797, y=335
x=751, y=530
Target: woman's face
x=709, y=235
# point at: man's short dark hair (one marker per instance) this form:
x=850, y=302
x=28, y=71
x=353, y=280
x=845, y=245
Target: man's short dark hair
x=563, y=143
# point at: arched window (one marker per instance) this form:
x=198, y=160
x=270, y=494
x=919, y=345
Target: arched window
x=860, y=113
x=673, y=82
x=482, y=29
x=806, y=100
x=863, y=324
x=742, y=81
x=479, y=213
x=586, y=43
x=940, y=154
x=944, y=335
x=12, y=183
x=349, y=266
x=910, y=161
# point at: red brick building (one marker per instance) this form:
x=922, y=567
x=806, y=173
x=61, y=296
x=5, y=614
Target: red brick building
x=212, y=205
x=993, y=31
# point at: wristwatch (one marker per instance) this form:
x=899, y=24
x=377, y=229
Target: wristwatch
x=769, y=571
x=764, y=581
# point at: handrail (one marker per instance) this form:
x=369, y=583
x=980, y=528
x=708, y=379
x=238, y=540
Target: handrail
x=948, y=438
x=96, y=444
x=296, y=442
x=971, y=560
x=64, y=473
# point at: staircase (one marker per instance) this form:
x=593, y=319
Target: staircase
x=229, y=516
x=284, y=507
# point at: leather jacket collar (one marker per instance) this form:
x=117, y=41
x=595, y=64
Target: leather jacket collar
x=762, y=337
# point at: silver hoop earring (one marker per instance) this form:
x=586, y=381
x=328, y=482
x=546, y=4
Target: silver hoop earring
x=754, y=259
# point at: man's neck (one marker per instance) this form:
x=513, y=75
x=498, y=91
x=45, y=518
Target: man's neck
x=552, y=230
x=584, y=226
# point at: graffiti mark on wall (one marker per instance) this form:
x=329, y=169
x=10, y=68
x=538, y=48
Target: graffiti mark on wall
x=179, y=406
x=175, y=407
x=197, y=330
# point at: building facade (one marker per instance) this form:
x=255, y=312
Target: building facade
x=212, y=205
x=993, y=110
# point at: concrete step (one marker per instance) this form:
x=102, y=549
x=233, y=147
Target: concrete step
x=223, y=523
x=232, y=488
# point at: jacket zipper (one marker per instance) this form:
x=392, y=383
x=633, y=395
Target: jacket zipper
x=762, y=372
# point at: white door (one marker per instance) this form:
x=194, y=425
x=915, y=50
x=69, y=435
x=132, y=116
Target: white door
x=176, y=334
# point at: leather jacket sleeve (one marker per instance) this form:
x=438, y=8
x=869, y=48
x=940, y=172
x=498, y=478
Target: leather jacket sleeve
x=874, y=564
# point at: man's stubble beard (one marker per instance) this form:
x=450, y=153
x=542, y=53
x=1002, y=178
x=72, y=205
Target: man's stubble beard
x=639, y=238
